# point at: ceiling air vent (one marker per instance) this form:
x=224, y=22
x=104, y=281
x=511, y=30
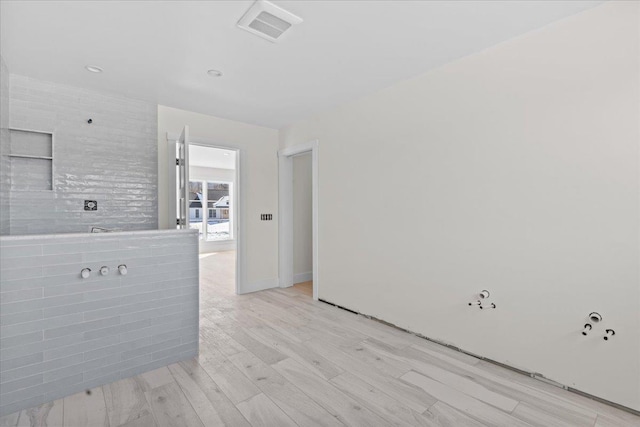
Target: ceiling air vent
x=267, y=20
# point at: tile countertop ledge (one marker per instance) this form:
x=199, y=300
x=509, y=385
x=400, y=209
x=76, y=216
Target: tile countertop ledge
x=113, y=234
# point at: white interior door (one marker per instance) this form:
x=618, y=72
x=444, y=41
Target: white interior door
x=182, y=179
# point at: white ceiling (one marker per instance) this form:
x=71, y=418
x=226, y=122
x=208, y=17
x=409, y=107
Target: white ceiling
x=211, y=157
x=160, y=50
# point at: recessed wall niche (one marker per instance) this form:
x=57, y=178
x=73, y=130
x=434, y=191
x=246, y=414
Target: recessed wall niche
x=31, y=156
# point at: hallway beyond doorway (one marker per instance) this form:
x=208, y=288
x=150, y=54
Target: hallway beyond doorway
x=305, y=287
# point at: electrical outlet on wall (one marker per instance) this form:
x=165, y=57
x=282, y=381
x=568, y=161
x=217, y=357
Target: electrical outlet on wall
x=90, y=205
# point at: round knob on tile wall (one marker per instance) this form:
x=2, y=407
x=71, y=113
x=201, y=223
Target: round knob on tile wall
x=104, y=270
x=122, y=269
x=609, y=333
x=484, y=294
x=492, y=305
x=85, y=273
x=595, y=317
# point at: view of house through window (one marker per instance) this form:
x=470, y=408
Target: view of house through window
x=209, y=209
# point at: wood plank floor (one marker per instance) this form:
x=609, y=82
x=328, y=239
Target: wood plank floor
x=305, y=288
x=277, y=358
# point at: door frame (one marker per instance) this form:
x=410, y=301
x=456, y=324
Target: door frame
x=238, y=196
x=285, y=208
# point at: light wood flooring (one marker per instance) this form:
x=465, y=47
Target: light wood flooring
x=305, y=288
x=277, y=358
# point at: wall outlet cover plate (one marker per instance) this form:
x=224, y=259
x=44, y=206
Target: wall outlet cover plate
x=90, y=205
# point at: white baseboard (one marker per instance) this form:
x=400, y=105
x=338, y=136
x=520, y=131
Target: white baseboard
x=303, y=277
x=260, y=285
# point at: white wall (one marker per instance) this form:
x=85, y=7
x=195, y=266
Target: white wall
x=302, y=216
x=201, y=173
x=515, y=170
x=258, y=184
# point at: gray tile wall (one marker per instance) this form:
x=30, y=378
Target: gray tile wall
x=113, y=160
x=5, y=142
x=61, y=334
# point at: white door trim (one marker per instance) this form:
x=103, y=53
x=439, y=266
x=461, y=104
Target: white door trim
x=285, y=208
x=239, y=198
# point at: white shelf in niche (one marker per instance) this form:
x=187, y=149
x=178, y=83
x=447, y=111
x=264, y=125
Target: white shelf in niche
x=31, y=154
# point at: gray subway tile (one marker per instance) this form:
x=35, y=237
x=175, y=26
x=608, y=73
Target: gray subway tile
x=21, y=383
x=22, y=350
x=20, y=340
x=117, y=348
x=7, y=252
x=41, y=367
x=82, y=307
x=173, y=350
x=79, y=347
x=190, y=336
x=176, y=333
x=21, y=361
x=120, y=366
x=21, y=273
x=189, y=354
x=63, y=248
x=150, y=348
x=80, y=327
x=110, y=371
x=90, y=365
x=101, y=329
x=95, y=382
x=62, y=383
x=38, y=346
x=22, y=404
x=35, y=304
x=149, y=309
x=25, y=316
x=56, y=374
x=23, y=328
x=113, y=330
x=77, y=285
x=19, y=395
x=21, y=295
x=98, y=314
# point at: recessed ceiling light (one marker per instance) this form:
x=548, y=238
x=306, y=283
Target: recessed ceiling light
x=214, y=73
x=93, y=69
x=226, y=154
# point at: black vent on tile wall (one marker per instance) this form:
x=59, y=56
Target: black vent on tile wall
x=90, y=205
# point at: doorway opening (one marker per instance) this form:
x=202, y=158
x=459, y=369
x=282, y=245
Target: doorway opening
x=207, y=200
x=302, y=224
x=298, y=219
x=212, y=179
